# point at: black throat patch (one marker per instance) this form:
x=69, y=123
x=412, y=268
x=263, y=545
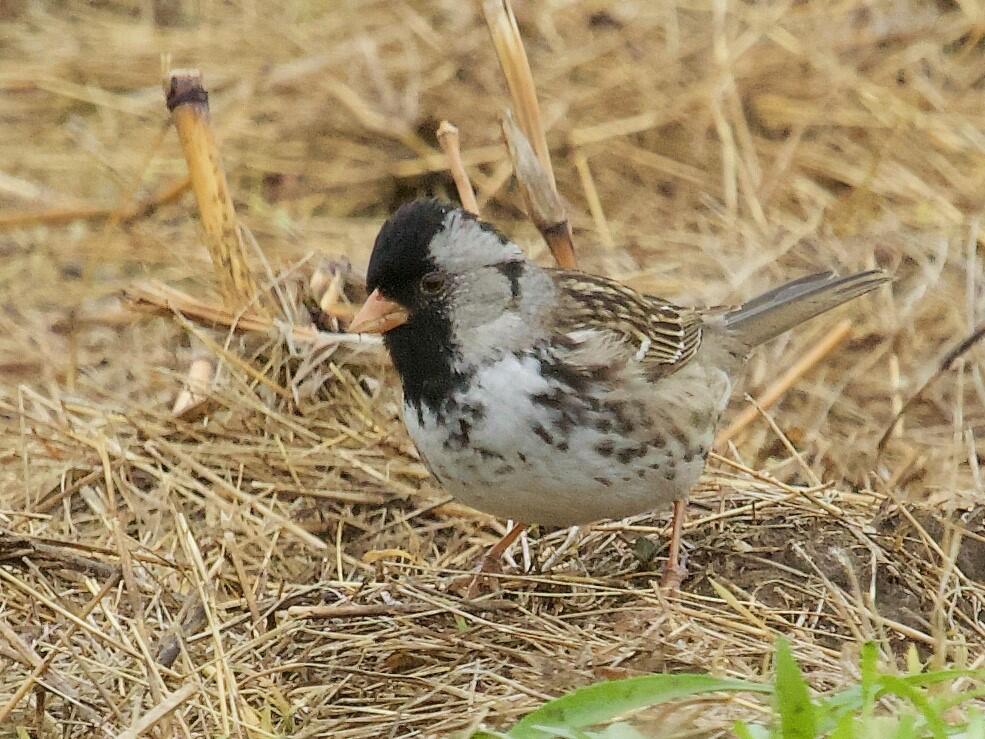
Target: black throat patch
x=425, y=357
x=422, y=349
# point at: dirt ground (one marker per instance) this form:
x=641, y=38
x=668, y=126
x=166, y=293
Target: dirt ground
x=277, y=562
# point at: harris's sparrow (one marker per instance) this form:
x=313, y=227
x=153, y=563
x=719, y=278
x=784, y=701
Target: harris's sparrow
x=558, y=397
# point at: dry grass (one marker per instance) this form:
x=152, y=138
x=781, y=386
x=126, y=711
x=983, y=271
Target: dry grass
x=276, y=560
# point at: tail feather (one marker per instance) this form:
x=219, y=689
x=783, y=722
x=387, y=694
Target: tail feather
x=789, y=305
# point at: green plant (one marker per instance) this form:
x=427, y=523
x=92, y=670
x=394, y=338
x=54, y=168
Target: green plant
x=882, y=705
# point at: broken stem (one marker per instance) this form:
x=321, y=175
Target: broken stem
x=542, y=201
x=449, y=142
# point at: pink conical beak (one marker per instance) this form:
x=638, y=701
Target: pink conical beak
x=378, y=315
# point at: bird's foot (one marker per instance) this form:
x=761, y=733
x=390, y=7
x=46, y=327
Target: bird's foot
x=475, y=585
x=674, y=574
x=478, y=583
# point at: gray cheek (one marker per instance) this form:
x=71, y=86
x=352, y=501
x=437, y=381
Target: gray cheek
x=476, y=302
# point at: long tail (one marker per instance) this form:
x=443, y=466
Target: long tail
x=789, y=305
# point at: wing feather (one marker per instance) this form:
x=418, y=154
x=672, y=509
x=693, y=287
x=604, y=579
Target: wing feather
x=660, y=335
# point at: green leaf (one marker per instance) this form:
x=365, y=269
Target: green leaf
x=940, y=676
x=793, y=700
x=945, y=704
x=830, y=711
x=567, y=732
x=844, y=728
x=601, y=702
x=975, y=728
x=906, y=728
x=743, y=730
x=618, y=730
x=869, y=667
x=900, y=687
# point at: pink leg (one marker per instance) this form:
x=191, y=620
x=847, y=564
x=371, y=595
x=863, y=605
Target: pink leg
x=674, y=571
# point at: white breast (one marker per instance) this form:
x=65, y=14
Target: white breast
x=501, y=452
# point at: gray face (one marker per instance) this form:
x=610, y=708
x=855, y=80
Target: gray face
x=465, y=244
x=495, y=299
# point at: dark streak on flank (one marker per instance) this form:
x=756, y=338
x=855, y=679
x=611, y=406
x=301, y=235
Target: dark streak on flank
x=564, y=374
x=623, y=413
x=626, y=455
x=550, y=400
x=565, y=424
x=542, y=433
x=678, y=433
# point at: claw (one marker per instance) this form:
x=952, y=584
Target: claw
x=477, y=584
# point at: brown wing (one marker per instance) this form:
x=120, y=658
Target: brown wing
x=661, y=335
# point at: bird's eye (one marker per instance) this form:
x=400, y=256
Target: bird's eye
x=432, y=283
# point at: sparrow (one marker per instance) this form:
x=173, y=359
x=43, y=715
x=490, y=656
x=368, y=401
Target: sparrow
x=553, y=396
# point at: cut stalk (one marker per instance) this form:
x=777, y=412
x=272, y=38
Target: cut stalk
x=519, y=79
x=542, y=201
x=189, y=105
x=525, y=135
x=194, y=395
x=449, y=142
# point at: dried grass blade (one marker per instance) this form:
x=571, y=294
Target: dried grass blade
x=168, y=705
x=156, y=297
x=39, y=669
x=828, y=343
x=945, y=364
